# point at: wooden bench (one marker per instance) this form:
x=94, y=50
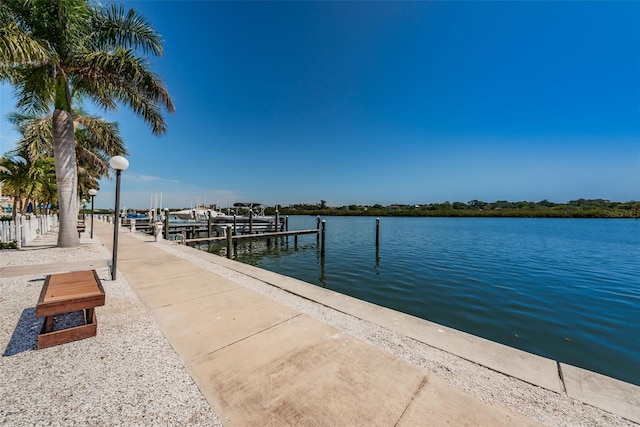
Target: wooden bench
x=65, y=293
x=81, y=227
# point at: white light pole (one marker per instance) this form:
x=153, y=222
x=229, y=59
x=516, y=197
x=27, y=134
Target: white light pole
x=92, y=193
x=119, y=164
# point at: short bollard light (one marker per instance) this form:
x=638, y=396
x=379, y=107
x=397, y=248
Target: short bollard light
x=157, y=230
x=119, y=164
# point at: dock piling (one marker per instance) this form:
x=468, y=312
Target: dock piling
x=166, y=223
x=324, y=227
x=229, y=240
x=209, y=224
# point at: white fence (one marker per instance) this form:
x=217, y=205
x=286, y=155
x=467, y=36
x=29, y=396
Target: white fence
x=26, y=228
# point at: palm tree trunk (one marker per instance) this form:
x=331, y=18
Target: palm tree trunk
x=14, y=209
x=66, y=177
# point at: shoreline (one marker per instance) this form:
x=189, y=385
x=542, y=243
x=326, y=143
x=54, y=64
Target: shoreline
x=487, y=385
x=492, y=372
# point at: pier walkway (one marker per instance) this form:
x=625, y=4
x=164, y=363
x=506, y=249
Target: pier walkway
x=260, y=362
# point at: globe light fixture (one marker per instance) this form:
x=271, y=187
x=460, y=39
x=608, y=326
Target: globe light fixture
x=119, y=163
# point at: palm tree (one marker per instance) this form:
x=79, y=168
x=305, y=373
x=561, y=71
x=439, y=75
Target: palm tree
x=97, y=141
x=53, y=51
x=41, y=182
x=14, y=176
x=27, y=180
x=43, y=173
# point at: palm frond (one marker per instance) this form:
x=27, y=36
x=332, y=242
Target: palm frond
x=145, y=109
x=73, y=24
x=93, y=163
x=14, y=171
x=126, y=78
x=35, y=90
x=114, y=28
x=37, y=140
x=83, y=87
x=100, y=135
x=18, y=47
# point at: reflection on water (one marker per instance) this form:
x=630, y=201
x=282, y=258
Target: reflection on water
x=251, y=251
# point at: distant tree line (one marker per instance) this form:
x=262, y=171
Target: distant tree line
x=579, y=208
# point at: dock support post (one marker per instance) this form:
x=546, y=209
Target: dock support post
x=377, y=233
x=318, y=228
x=166, y=223
x=277, y=224
x=324, y=226
x=286, y=227
x=229, y=239
x=209, y=224
x=234, y=224
x=251, y=222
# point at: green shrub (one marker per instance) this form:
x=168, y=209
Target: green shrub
x=9, y=245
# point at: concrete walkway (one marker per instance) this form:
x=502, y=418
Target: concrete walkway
x=21, y=270
x=259, y=362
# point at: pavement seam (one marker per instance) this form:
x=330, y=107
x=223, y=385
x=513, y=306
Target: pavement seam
x=424, y=382
x=195, y=298
x=564, y=386
x=245, y=338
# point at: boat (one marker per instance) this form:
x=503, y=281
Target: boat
x=132, y=214
x=245, y=218
x=198, y=213
x=248, y=217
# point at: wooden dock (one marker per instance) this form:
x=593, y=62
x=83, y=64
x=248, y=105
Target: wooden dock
x=253, y=236
x=186, y=233
x=232, y=239
x=194, y=229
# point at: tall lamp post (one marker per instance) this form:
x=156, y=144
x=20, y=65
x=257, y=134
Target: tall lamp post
x=92, y=193
x=119, y=164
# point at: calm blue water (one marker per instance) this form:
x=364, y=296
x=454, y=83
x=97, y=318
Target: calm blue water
x=565, y=289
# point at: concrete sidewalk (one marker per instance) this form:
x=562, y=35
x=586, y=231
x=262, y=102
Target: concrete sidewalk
x=259, y=362
x=21, y=270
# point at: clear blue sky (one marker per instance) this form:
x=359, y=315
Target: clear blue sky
x=387, y=102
